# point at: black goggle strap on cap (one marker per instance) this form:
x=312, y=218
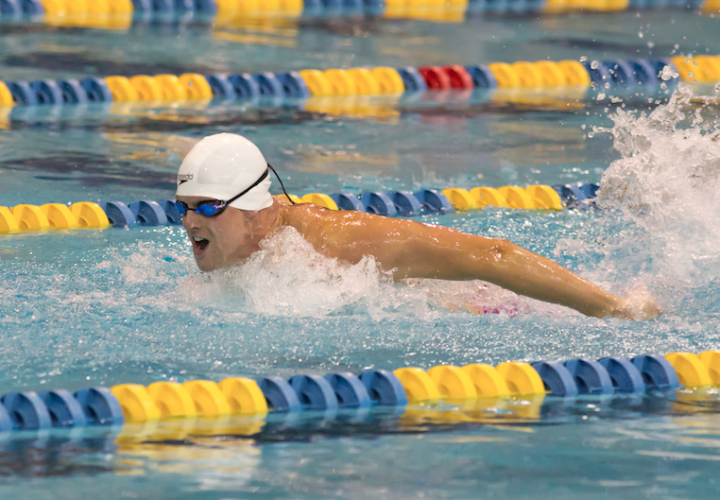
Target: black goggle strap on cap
x=262, y=178
x=281, y=184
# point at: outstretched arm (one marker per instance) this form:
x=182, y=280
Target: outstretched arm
x=424, y=251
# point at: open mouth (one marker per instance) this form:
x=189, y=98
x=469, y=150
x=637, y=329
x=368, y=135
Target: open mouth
x=199, y=245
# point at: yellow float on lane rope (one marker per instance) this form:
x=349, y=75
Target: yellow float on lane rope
x=452, y=382
x=711, y=360
x=146, y=87
x=172, y=400
x=505, y=75
x=690, y=370
x=89, y=215
x=365, y=82
x=340, y=82
x=544, y=197
x=59, y=216
x=6, y=98
x=30, y=218
x=528, y=73
x=244, y=396
x=486, y=196
x=551, y=74
x=316, y=82
x=460, y=198
x=487, y=380
x=319, y=199
x=136, y=403
x=121, y=7
x=418, y=385
x=521, y=378
x=209, y=400
x=196, y=86
x=8, y=222
x=389, y=80
x=121, y=89
x=170, y=88
x=517, y=197
x=575, y=73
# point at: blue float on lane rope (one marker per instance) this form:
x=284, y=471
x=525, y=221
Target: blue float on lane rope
x=349, y=390
x=221, y=86
x=148, y=213
x=642, y=72
x=22, y=93
x=590, y=376
x=245, y=86
x=32, y=7
x=378, y=203
x=657, y=372
x=314, y=392
x=72, y=92
x=47, y=92
x=406, y=203
x=293, y=85
x=6, y=423
x=626, y=378
x=384, y=388
x=556, y=378
x=27, y=411
x=413, y=80
x=97, y=90
x=100, y=406
x=269, y=85
x=65, y=410
x=621, y=74
x=171, y=211
x=279, y=395
x=346, y=201
x=434, y=201
x=599, y=75
x=482, y=77
x=119, y=214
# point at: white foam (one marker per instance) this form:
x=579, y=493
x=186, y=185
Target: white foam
x=667, y=182
x=287, y=277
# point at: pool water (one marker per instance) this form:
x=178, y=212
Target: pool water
x=87, y=308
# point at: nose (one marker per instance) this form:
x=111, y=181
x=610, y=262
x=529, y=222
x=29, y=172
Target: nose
x=191, y=220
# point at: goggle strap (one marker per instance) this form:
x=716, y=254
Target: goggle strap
x=281, y=184
x=262, y=178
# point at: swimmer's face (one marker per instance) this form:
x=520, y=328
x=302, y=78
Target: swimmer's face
x=218, y=241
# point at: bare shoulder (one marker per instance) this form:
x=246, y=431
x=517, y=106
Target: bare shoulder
x=351, y=234
x=316, y=221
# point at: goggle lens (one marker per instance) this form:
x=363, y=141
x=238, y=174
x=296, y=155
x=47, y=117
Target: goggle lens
x=182, y=208
x=203, y=209
x=208, y=210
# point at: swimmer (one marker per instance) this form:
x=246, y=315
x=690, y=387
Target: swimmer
x=223, y=192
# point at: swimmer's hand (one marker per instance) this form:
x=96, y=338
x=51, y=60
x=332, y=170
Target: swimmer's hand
x=637, y=306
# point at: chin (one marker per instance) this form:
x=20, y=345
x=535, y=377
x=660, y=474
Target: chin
x=205, y=267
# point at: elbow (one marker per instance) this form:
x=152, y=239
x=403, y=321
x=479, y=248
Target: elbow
x=500, y=250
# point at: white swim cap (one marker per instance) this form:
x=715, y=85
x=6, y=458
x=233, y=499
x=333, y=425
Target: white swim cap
x=220, y=167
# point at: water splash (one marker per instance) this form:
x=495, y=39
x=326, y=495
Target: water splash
x=667, y=183
x=287, y=277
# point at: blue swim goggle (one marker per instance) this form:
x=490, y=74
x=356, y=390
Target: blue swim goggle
x=213, y=208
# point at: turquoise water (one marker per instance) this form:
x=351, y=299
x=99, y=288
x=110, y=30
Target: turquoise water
x=87, y=308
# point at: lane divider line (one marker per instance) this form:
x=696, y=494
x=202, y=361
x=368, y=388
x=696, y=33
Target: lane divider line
x=630, y=74
x=88, y=215
x=135, y=403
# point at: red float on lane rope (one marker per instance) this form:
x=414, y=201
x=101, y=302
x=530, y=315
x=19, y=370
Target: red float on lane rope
x=435, y=78
x=459, y=77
